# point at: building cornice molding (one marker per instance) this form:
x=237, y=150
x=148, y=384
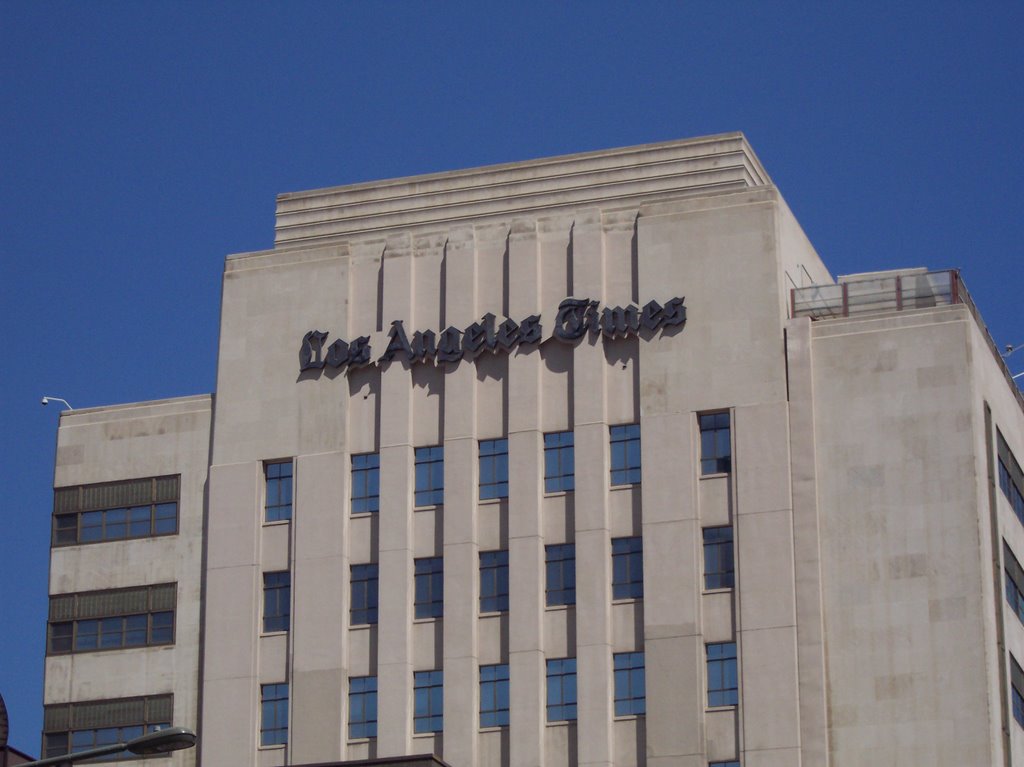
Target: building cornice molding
x=704, y=165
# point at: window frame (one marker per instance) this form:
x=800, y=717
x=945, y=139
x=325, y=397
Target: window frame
x=560, y=561
x=563, y=706
x=494, y=691
x=431, y=491
x=559, y=462
x=630, y=683
x=625, y=458
x=278, y=487
x=428, y=698
x=628, y=561
x=428, y=591
x=282, y=597
x=722, y=674
x=61, y=723
x=365, y=480
x=92, y=507
x=492, y=457
x=715, y=442
x=719, y=554
x=70, y=617
x=368, y=588
x=494, y=581
x=366, y=695
x=277, y=706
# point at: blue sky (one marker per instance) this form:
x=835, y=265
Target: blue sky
x=142, y=142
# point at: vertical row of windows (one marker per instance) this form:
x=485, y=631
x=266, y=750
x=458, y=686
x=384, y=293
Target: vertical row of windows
x=1011, y=478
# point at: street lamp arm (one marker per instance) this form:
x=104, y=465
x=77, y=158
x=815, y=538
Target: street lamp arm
x=157, y=742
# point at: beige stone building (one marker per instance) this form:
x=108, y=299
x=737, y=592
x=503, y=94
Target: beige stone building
x=576, y=461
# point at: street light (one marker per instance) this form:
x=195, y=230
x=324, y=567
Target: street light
x=159, y=742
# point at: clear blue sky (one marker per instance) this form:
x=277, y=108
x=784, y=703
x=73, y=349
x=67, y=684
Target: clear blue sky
x=142, y=142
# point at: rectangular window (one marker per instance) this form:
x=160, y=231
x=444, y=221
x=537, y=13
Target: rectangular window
x=493, y=581
x=1017, y=691
x=364, y=594
x=562, y=690
x=715, y=443
x=1011, y=478
x=428, y=691
x=729, y=763
x=627, y=568
x=362, y=707
x=365, y=483
x=493, y=468
x=494, y=695
x=278, y=503
x=723, y=684
x=625, y=447
x=429, y=476
x=1014, y=577
x=561, y=574
x=273, y=714
x=115, y=511
x=718, y=558
x=429, y=600
x=559, y=464
x=277, y=600
x=630, y=690
x=112, y=619
x=71, y=727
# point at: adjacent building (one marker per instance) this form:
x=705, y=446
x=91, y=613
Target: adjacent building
x=577, y=461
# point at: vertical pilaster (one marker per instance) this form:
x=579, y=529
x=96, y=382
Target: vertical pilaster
x=319, y=671
x=394, y=631
x=461, y=555
x=593, y=542
x=526, y=544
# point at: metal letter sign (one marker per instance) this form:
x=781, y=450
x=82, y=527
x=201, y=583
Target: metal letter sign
x=576, y=317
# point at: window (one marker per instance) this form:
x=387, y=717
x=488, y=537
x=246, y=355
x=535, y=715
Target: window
x=625, y=446
x=728, y=763
x=627, y=568
x=362, y=707
x=279, y=491
x=112, y=619
x=715, y=444
x=429, y=476
x=114, y=511
x=1017, y=691
x=630, y=694
x=70, y=727
x=561, y=574
x=365, y=483
x=718, y=558
x=493, y=581
x=493, y=468
x=273, y=714
x=1011, y=478
x=723, y=688
x=1014, y=577
x=277, y=598
x=428, y=691
x=364, y=594
x=429, y=588
x=562, y=690
x=559, y=466
x=494, y=695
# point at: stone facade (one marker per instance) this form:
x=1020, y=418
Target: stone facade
x=859, y=481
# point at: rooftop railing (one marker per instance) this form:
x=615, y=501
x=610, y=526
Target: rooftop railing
x=894, y=293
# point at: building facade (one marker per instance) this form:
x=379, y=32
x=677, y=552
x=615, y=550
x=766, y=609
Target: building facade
x=577, y=461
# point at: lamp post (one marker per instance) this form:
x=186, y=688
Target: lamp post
x=159, y=742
